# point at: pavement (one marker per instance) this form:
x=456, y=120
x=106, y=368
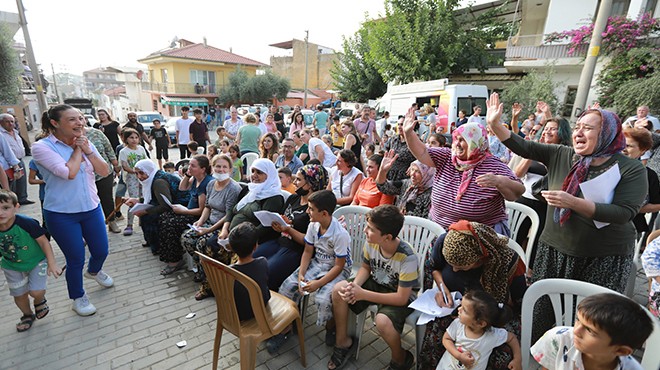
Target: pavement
x=140, y=320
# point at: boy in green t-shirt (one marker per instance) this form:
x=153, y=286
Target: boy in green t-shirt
x=27, y=259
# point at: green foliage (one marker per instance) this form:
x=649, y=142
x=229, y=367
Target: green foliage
x=529, y=90
x=632, y=65
x=632, y=94
x=355, y=78
x=257, y=89
x=9, y=71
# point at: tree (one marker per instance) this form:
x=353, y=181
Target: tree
x=355, y=77
x=258, y=89
x=632, y=94
x=635, y=64
x=530, y=89
x=9, y=72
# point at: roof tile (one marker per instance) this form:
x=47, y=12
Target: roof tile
x=208, y=53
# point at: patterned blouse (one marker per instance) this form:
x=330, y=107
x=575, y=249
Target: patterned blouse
x=419, y=207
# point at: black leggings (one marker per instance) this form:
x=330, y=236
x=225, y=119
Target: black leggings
x=104, y=190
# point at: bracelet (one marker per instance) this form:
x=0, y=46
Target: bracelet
x=90, y=153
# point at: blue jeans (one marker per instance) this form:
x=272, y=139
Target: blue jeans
x=282, y=262
x=69, y=230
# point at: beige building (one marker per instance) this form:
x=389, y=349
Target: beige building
x=320, y=60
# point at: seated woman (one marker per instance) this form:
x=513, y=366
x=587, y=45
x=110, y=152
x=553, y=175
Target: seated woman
x=345, y=177
x=172, y=224
x=269, y=147
x=221, y=196
x=472, y=256
x=368, y=194
x=160, y=184
x=284, y=253
x=413, y=193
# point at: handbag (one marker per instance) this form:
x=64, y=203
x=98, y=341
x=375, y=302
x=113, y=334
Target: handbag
x=539, y=186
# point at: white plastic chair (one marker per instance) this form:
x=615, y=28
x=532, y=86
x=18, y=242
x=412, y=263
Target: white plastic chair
x=570, y=293
x=637, y=263
x=249, y=158
x=512, y=244
x=517, y=214
x=420, y=234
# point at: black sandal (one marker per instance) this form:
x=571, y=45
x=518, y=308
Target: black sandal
x=340, y=356
x=203, y=294
x=40, y=313
x=25, y=320
x=407, y=363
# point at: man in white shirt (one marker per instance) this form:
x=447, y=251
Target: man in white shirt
x=13, y=139
x=318, y=149
x=643, y=113
x=183, y=132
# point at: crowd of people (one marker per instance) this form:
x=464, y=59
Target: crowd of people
x=208, y=203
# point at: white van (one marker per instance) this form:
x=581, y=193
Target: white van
x=448, y=98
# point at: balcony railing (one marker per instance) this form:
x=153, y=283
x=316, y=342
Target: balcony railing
x=181, y=88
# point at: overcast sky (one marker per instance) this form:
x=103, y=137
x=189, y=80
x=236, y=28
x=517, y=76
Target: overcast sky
x=78, y=35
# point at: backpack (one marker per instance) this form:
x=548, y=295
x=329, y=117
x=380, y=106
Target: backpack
x=178, y=196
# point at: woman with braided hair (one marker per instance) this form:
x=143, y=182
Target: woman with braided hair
x=471, y=256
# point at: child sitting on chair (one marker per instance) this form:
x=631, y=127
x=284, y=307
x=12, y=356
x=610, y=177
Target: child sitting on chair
x=243, y=241
x=608, y=328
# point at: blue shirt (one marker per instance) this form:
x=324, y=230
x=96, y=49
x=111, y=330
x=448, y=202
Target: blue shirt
x=7, y=156
x=42, y=188
x=294, y=165
x=197, y=190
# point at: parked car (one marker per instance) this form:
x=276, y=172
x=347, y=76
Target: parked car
x=146, y=120
x=170, y=126
x=345, y=113
x=308, y=115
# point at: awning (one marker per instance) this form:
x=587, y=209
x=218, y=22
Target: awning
x=195, y=102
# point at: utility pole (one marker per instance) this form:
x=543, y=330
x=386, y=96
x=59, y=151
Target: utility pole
x=306, y=59
x=592, y=58
x=36, y=76
x=57, y=93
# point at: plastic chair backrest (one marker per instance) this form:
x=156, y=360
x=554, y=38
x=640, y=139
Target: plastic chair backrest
x=221, y=278
x=249, y=158
x=285, y=194
x=420, y=234
x=355, y=218
x=565, y=295
x=517, y=213
x=516, y=248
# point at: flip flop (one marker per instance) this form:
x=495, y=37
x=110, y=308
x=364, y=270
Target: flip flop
x=169, y=269
x=25, y=320
x=40, y=313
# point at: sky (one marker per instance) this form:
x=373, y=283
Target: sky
x=79, y=35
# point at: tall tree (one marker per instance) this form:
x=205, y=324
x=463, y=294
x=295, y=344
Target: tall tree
x=357, y=79
x=257, y=89
x=530, y=89
x=9, y=72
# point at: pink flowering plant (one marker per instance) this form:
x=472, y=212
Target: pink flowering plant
x=621, y=34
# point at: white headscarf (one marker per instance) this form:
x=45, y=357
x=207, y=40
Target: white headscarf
x=271, y=187
x=149, y=167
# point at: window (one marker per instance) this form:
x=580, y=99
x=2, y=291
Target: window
x=163, y=75
x=467, y=104
x=569, y=101
x=204, y=78
x=619, y=8
x=650, y=6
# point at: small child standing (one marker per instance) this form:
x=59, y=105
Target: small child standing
x=651, y=264
x=131, y=154
x=243, y=241
x=326, y=261
x=221, y=135
x=27, y=260
x=608, y=328
x=237, y=173
x=285, y=175
x=470, y=339
x=163, y=143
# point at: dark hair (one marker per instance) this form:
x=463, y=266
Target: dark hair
x=208, y=150
x=335, y=118
x=8, y=196
x=387, y=218
x=220, y=129
x=376, y=158
x=487, y=309
x=202, y=161
x=371, y=147
x=168, y=165
x=104, y=111
x=275, y=149
x=243, y=238
x=564, y=131
x=236, y=148
x=192, y=146
x=348, y=156
x=323, y=200
x=197, y=111
x=185, y=109
x=53, y=113
x=314, y=161
x=127, y=132
x=156, y=120
x=623, y=319
x=286, y=171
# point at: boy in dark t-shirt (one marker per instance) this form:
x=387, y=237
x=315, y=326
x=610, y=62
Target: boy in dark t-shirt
x=243, y=241
x=163, y=143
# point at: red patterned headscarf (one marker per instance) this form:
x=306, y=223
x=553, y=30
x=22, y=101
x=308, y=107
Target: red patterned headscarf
x=477, y=139
x=610, y=141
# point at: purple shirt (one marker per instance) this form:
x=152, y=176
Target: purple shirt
x=368, y=127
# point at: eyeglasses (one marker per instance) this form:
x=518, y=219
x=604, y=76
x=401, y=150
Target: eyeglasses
x=287, y=146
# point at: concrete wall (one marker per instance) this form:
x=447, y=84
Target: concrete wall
x=293, y=67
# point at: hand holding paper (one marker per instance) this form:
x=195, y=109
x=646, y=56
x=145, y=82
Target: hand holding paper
x=267, y=218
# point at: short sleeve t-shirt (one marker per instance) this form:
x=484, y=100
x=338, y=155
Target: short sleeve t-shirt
x=196, y=190
x=132, y=156
x=198, y=132
x=480, y=348
x=321, y=119
x=183, y=128
x=42, y=188
x=329, y=158
x=18, y=247
x=160, y=135
x=555, y=350
x=335, y=243
x=258, y=271
x=237, y=170
x=399, y=270
x=250, y=135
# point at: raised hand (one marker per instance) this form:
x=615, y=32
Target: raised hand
x=494, y=109
x=516, y=109
x=409, y=120
x=388, y=160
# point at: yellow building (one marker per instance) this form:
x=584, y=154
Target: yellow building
x=320, y=60
x=192, y=75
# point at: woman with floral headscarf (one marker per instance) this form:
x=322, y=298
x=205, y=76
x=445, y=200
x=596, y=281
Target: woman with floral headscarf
x=583, y=239
x=472, y=256
x=469, y=183
x=284, y=253
x=413, y=193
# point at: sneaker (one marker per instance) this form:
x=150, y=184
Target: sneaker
x=112, y=225
x=274, y=343
x=128, y=231
x=102, y=278
x=83, y=306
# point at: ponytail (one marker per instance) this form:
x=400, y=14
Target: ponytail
x=487, y=309
x=53, y=113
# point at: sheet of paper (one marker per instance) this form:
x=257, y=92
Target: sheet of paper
x=224, y=243
x=427, y=305
x=167, y=201
x=140, y=207
x=267, y=218
x=601, y=189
